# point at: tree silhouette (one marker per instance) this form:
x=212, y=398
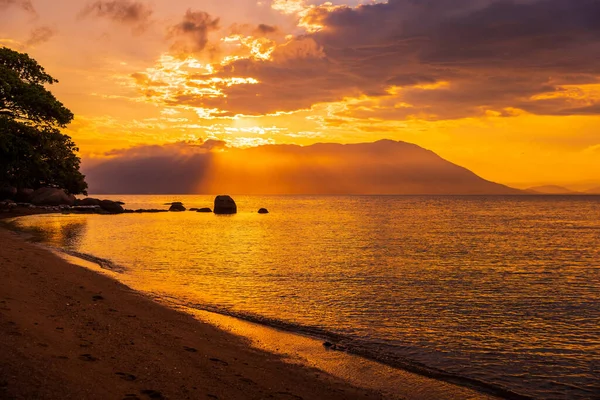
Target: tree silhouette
x=33, y=151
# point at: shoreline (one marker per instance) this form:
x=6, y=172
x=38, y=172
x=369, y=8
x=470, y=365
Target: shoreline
x=324, y=383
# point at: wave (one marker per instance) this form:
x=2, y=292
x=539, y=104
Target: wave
x=101, y=262
x=365, y=349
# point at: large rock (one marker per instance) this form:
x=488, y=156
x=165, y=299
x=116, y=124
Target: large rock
x=111, y=207
x=51, y=197
x=86, y=209
x=89, y=201
x=177, y=206
x=24, y=195
x=8, y=192
x=204, y=210
x=224, y=205
x=263, y=211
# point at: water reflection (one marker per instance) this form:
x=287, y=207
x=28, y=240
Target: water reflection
x=500, y=289
x=66, y=232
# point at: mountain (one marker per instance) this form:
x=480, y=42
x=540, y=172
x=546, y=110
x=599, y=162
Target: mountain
x=383, y=167
x=551, y=189
x=593, y=191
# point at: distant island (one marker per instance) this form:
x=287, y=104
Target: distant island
x=560, y=190
x=382, y=167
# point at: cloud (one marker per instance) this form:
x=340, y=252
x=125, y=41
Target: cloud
x=264, y=29
x=191, y=34
x=492, y=54
x=128, y=12
x=23, y=4
x=40, y=35
x=182, y=148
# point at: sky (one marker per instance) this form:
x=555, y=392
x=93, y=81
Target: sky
x=509, y=89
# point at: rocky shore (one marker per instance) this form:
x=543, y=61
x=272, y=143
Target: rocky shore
x=48, y=200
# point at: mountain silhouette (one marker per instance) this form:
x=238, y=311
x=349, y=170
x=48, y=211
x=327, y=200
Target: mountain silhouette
x=593, y=190
x=551, y=189
x=382, y=167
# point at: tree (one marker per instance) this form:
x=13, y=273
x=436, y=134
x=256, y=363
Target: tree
x=33, y=151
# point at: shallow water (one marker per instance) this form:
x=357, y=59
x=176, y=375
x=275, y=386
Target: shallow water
x=502, y=290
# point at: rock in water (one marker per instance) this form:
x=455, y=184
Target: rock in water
x=177, y=207
x=51, y=197
x=263, y=211
x=225, y=205
x=111, y=207
x=204, y=210
x=89, y=201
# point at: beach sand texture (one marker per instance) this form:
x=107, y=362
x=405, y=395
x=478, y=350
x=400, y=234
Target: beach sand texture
x=69, y=332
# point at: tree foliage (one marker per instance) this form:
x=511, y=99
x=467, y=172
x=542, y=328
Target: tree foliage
x=33, y=152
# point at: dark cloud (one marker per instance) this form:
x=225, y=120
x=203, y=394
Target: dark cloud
x=23, y=4
x=384, y=167
x=494, y=54
x=40, y=35
x=172, y=149
x=263, y=29
x=191, y=34
x=129, y=12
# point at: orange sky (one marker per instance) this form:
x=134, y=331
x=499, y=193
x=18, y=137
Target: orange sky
x=508, y=90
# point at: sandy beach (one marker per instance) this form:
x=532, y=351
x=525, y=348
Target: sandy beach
x=68, y=332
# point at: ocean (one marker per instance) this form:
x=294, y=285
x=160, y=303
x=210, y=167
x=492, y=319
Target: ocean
x=498, y=290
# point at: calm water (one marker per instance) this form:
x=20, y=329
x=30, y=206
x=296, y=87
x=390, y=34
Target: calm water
x=504, y=290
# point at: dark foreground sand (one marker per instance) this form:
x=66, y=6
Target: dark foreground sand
x=71, y=333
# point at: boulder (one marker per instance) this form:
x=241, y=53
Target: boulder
x=51, y=197
x=24, y=195
x=7, y=204
x=177, y=207
x=204, y=210
x=111, y=207
x=263, y=211
x=8, y=192
x=225, y=205
x=89, y=201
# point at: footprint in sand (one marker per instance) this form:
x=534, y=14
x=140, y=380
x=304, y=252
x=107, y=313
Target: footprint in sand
x=190, y=349
x=287, y=395
x=87, y=357
x=126, y=377
x=225, y=363
x=153, y=394
x=97, y=297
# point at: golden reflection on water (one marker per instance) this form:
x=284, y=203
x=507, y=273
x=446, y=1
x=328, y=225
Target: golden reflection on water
x=500, y=289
